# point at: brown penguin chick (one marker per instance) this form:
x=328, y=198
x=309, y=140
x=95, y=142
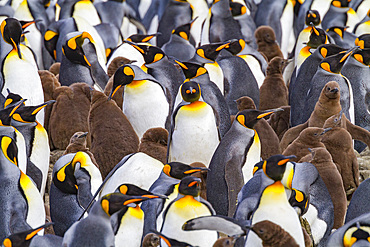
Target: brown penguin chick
x=69, y=113
x=78, y=143
x=338, y=142
x=151, y=240
x=273, y=91
x=55, y=68
x=309, y=138
x=266, y=42
x=203, y=176
x=225, y=242
x=327, y=105
x=273, y=235
x=268, y=137
x=49, y=84
x=154, y=143
x=322, y=160
x=116, y=63
x=112, y=136
x=279, y=121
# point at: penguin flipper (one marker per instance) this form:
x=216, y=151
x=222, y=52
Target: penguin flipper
x=172, y=129
x=357, y=132
x=234, y=181
x=220, y=223
x=291, y=134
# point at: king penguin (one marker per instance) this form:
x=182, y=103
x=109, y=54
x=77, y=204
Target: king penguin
x=185, y=207
x=19, y=72
x=194, y=132
x=230, y=171
x=145, y=103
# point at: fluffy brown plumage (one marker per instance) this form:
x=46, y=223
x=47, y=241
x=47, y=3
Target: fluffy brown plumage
x=268, y=137
x=55, y=68
x=273, y=91
x=224, y=242
x=78, y=143
x=327, y=105
x=154, y=143
x=151, y=240
x=266, y=42
x=309, y=138
x=279, y=121
x=69, y=113
x=322, y=160
x=112, y=136
x=116, y=63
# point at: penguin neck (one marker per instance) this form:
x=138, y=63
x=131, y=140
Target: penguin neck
x=185, y=200
x=274, y=193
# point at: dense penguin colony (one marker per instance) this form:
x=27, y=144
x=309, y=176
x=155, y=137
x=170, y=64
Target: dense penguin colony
x=144, y=123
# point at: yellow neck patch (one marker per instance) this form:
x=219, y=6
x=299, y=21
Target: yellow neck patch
x=194, y=106
x=187, y=201
x=136, y=212
x=136, y=83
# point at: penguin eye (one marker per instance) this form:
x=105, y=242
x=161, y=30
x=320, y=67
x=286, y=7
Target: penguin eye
x=227, y=242
x=315, y=134
x=261, y=231
x=328, y=88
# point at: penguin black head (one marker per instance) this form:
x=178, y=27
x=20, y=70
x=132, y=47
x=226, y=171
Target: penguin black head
x=170, y=241
x=124, y=75
x=317, y=37
x=141, y=38
x=327, y=50
x=363, y=56
x=180, y=170
x=27, y=114
x=334, y=63
x=65, y=180
x=190, y=186
x=340, y=3
x=248, y=118
x=274, y=166
x=211, y=51
x=363, y=41
x=312, y=18
x=151, y=54
x=356, y=233
x=50, y=41
x=235, y=46
x=237, y=9
x=21, y=239
x=72, y=47
x=133, y=190
x=190, y=91
x=183, y=31
x=339, y=30
x=191, y=70
x=7, y=113
x=11, y=30
x=12, y=98
x=9, y=149
x=113, y=202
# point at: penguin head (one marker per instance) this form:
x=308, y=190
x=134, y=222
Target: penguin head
x=151, y=54
x=133, y=190
x=156, y=135
x=64, y=178
x=141, y=38
x=248, y=118
x=312, y=134
x=363, y=41
x=170, y=241
x=180, y=170
x=238, y=9
x=274, y=166
x=11, y=98
x=113, y=202
x=244, y=103
x=11, y=30
x=356, y=233
x=72, y=47
x=265, y=34
x=334, y=121
x=339, y=30
x=24, y=238
x=235, y=46
x=317, y=37
x=334, y=63
x=7, y=113
x=320, y=155
x=363, y=56
x=276, y=66
x=327, y=50
x=27, y=114
x=79, y=138
x=183, y=31
x=210, y=52
x=9, y=149
x=225, y=242
x=265, y=229
x=331, y=90
x=190, y=91
x=51, y=37
x=124, y=75
x=151, y=240
x=340, y=3
x=312, y=18
x=190, y=186
x=192, y=70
